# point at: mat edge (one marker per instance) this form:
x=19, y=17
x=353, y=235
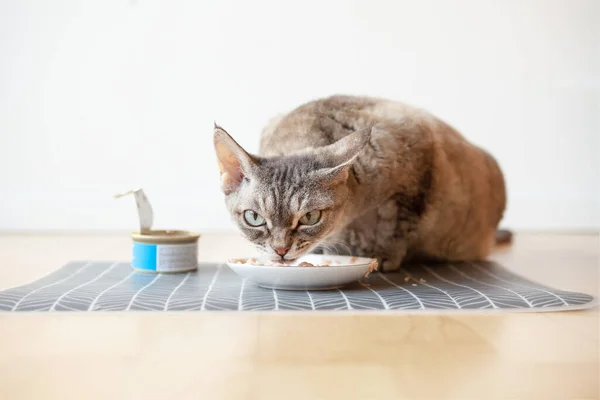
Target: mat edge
x=591, y=305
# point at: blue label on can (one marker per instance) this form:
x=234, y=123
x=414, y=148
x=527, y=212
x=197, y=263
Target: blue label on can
x=144, y=256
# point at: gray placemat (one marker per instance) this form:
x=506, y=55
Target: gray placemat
x=113, y=286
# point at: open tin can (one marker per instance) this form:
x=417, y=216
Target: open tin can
x=161, y=251
x=165, y=251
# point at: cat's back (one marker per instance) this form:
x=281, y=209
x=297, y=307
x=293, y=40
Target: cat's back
x=414, y=166
x=324, y=121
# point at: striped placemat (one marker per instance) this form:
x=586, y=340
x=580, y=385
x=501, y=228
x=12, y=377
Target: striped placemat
x=113, y=286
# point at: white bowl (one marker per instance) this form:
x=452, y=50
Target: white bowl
x=342, y=271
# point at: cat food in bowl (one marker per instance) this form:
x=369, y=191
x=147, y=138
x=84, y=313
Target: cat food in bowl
x=311, y=272
x=254, y=261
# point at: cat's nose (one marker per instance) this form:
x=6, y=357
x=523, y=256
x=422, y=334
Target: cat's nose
x=282, y=251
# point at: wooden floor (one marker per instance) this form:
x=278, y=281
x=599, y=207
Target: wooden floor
x=301, y=356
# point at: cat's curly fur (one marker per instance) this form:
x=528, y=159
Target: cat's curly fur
x=393, y=182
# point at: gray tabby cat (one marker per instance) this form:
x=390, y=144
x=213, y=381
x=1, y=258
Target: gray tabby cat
x=373, y=177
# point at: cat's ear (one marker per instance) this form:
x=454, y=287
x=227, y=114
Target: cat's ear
x=234, y=162
x=341, y=155
x=345, y=150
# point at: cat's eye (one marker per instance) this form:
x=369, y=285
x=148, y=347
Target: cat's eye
x=253, y=218
x=310, y=218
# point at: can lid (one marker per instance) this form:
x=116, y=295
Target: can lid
x=165, y=237
x=145, y=214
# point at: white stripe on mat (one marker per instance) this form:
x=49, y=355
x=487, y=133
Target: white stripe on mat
x=84, y=266
x=91, y=307
x=212, y=283
x=100, y=275
x=520, y=284
x=175, y=290
x=140, y=291
x=400, y=287
x=463, y=286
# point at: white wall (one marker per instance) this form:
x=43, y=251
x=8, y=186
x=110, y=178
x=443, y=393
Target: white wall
x=97, y=97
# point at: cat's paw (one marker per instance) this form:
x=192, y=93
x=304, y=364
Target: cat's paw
x=387, y=265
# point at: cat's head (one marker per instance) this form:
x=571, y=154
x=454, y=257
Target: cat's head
x=287, y=205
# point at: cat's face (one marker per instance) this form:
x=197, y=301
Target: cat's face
x=285, y=211
x=286, y=206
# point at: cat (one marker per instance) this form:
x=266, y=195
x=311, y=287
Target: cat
x=367, y=176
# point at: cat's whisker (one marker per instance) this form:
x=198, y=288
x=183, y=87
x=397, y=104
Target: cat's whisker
x=336, y=242
x=334, y=247
x=261, y=249
x=327, y=248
